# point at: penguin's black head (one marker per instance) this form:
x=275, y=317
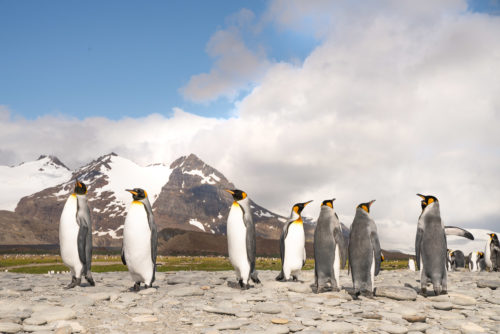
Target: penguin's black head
x=80, y=188
x=297, y=208
x=328, y=202
x=493, y=237
x=426, y=200
x=137, y=193
x=481, y=255
x=238, y=195
x=366, y=206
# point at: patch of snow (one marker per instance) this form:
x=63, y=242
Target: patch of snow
x=29, y=178
x=263, y=213
x=125, y=174
x=213, y=232
x=283, y=220
x=219, y=216
x=110, y=232
x=196, y=223
x=215, y=177
x=204, y=179
x=96, y=210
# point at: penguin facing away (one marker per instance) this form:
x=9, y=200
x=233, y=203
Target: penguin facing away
x=430, y=247
x=492, y=252
x=457, y=259
x=328, y=243
x=364, y=251
x=140, y=239
x=241, y=239
x=75, y=236
x=292, y=245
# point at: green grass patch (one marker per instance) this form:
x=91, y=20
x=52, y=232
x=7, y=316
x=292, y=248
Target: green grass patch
x=39, y=269
x=14, y=261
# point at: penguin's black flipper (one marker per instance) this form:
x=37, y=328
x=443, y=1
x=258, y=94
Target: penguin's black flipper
x=376, y=251
x=82, y=239
x=418, y=242
x=123, y=257
x=453, y=230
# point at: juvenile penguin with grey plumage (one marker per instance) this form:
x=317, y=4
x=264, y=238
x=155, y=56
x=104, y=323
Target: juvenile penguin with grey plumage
x=293, y=245
x=328, y=243
x=75, y=236
x=140, y=239
x=364, y=251
x=241, y=239
x=431, y=247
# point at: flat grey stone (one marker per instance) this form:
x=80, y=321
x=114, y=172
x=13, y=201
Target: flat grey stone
x=186, y=292
x=336, y=327
x=99, y=296
x=148, y=291
x=34, y=321
x=10, y=327
x=396, y=292
x=470, y=327
x=445, y=306
x=219, y=310
x=140, y=310
x=308, y=314
x=493, y=300
x=492, y=284
x=77, y=300
x=54, y=313
x=462, y=300
x=419, y=327
x=269, y=308
x=394, y=329
x=277, y=329
x=233, y=324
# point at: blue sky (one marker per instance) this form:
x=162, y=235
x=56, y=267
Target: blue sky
x=118, y=58
x=128, y=58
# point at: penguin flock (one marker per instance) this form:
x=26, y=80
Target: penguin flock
x=332, y=250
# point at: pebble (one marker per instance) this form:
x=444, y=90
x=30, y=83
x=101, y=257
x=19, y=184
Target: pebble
x=396, y=292
x=269, y=308
x=10, y=327
x=308, y=314
x=445, y=306
x=186, y=292
x=492, y=284
x=394, y=329
x=336, y=327
x=279, y=321
x=54, y=313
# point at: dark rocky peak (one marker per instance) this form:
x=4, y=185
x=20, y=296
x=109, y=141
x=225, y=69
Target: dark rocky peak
x=52, y=160
x=193, y=167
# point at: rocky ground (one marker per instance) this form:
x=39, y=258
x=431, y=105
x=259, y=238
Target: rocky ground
x=206, y=302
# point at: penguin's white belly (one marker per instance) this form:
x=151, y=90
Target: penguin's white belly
x=68, y=237
x=487, y=255
x=372, y=272
x=473, y=262
x=411, y=264
x=137, y=244
x=336, y=265
x=236, y=242
x=294, y=248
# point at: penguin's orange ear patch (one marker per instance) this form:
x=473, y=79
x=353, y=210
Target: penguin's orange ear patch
x=296, y=209
x=364, y=207
x=244, y=195
x=431, y=200
x=145, y=193
x=329, y=204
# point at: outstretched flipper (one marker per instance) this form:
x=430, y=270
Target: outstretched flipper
x=453, y=230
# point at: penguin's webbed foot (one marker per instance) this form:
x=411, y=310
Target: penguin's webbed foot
x=294, y=278
x=74, y=282
x=137, y=286
x=423, y=292
x=256, y=280
x=367, y=294
x=90, y=280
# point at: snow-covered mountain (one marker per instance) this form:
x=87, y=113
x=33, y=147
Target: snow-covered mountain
x=186, y=195
x=28, y=178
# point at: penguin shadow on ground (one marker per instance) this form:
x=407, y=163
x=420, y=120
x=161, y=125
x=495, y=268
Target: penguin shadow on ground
x=236, y=285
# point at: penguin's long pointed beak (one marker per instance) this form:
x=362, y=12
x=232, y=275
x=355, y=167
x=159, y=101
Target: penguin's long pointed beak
x=131, y=191
x=333, y=199
x=370, y=203
x=422, y=196
x=229, y=191
x=307, y=202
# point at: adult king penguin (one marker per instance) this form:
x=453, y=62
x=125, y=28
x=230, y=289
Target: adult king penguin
x=364, y=251
x=430, y=247
x=140, y=240
x=492, y=252
x=241, y=239
x=293, y=245
x=75, y=236
x=328, y=243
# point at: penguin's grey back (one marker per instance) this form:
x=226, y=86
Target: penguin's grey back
x=324, y=243
x=360, y=245
x=433, y=246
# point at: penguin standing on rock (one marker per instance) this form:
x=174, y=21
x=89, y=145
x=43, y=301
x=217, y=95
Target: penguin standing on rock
x=476, y=261
x=140, y=240
x=241, y=239
x=75, y=236
x=492, y=252
x=430, y=247
x=328, y=243
x=364, y=251
x=293, y=245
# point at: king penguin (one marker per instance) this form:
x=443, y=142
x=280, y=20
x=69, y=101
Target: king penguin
x=364, y=251
x=328, y=243
x=75, y=236
x=140, y=240
x=476, y=261
x=293, y=245
x=241, y=239
x=431, y=247
x=492, y=252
